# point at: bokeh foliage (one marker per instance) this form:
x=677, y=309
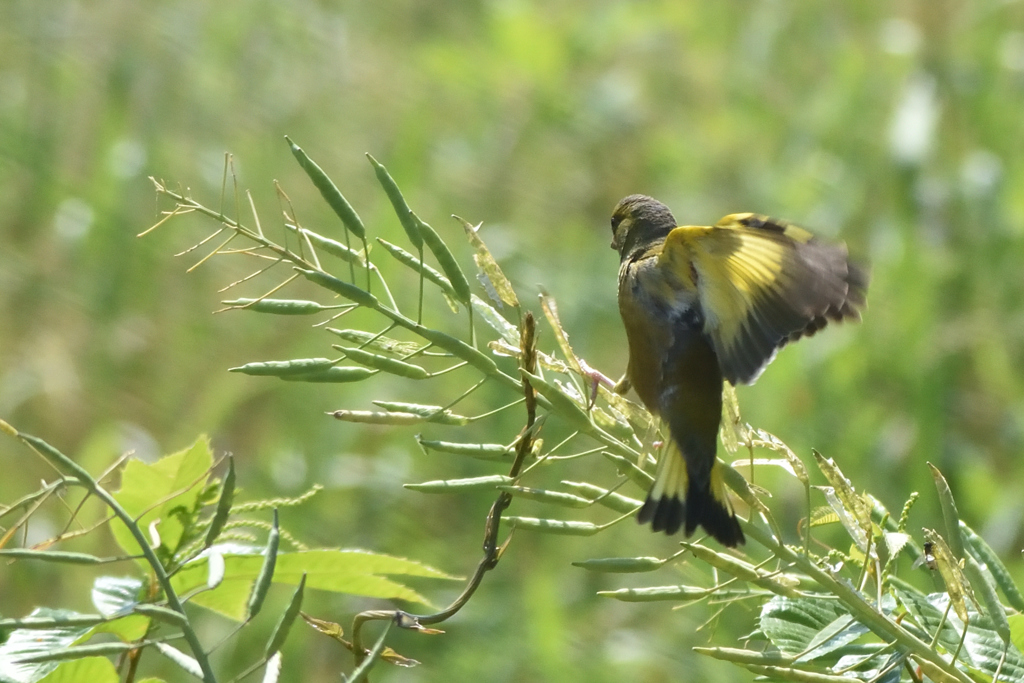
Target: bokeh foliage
x=893, y=125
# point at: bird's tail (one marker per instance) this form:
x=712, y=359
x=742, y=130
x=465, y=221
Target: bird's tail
x=682, y=499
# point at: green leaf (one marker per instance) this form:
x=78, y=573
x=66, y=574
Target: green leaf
x=844, y=629
x=177, y=480
x=792, y=624
x=355, y=572
x=91, y=669
x=115, y=596
x=1017, y=630
x=31, y=642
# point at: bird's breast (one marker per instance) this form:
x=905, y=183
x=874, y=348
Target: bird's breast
x=655, y=312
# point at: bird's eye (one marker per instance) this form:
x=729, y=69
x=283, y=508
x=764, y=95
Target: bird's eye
x=615, y=222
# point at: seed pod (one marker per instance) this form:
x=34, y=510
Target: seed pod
x=333, y=375
x=561, y=527
x=284, y=368
x=389, y=365
x=346, y=289
x=490, y=481
x=405, y=214
x=445, y=259
x=279, y=306
x=621, y=565
x=407, y=259
x=329, y=191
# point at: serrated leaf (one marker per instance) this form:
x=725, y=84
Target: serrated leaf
x=30, y=642
x=114, y=594
x=843, y=630
x=178, y=478
x=792, y=624
x=355, y=572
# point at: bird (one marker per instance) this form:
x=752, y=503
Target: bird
x=703, y=305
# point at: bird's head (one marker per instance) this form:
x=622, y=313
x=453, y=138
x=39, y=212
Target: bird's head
x=637, y=221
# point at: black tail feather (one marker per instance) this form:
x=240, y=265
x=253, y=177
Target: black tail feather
x=703, y=509
x=669, y=514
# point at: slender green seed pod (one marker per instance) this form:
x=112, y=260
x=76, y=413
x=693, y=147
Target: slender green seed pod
x=560, y=527
x=384, y=363
x=405, y=214
x=280, y=633
x=60, y=556
x=629, y=468
x=546, y=496
x=279, y=306
x=983, y=551
x=480, y=451
x=164, y=614
x=600, y=496
x=376, y=341
x=410, y=261
x=227, y=497
x=489, y=482
x=377, y=418
x=654, y=593
x=562, y=404
x=333, y=375
x=621, y=565
x=950, y=515
x=284, y=368
x=427, y=412
x=266, y=575
x=445, y=259
x=79, y=651
x=335, y=248
x=345, y=289
x=329, y=191
x=984, y=586
x=459, y=348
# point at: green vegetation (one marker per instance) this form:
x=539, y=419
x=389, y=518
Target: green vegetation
x=893, y=129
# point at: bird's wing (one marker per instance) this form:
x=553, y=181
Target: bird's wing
x=761, y=283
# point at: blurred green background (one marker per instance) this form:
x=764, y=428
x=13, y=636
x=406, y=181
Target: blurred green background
x=897, y=127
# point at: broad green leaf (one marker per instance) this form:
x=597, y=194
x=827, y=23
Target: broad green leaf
x=91, y=669
x=355, y=572
x=113, y=594
x=843, y=630
x=1017, y=630
x=792, y=624
x=926, y=615
x=176, y=480
x=28, y=642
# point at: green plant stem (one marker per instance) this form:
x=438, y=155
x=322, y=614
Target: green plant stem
x=86, y=480
x=867, y=614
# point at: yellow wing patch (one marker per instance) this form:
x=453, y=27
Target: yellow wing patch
x=758, y=282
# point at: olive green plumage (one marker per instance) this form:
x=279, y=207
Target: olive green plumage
x=705, y=304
